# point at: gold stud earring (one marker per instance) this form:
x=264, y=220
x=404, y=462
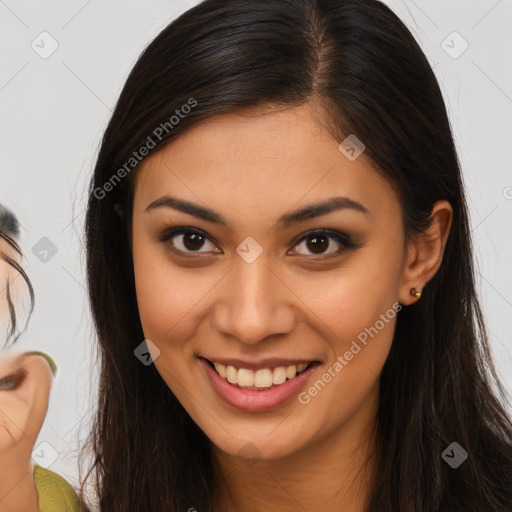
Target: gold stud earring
x=415, y=292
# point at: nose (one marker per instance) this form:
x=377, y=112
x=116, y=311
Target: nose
x=254, y=303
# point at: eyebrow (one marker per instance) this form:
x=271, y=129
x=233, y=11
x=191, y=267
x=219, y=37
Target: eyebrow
x=289, y=219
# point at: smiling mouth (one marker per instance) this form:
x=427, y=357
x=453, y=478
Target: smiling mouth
x=262, y=379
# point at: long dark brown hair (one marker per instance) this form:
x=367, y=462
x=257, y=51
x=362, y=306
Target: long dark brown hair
x=360, y=65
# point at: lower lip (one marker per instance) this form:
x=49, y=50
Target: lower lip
x=252, y=400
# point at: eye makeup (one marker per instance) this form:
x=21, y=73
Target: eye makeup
x=13, y=380
x=344, y=242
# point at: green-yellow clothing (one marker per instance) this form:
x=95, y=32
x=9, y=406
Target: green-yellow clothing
x=54, y=492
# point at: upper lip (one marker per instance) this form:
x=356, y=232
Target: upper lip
x=269, y=362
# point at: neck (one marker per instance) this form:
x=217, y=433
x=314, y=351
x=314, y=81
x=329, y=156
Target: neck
x=333, y=474
x=17, y=487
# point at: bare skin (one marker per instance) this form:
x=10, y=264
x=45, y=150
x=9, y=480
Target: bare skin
x=288, y=303
x=23, y=408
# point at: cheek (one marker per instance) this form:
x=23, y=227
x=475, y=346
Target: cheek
x=366, y=325
x=160, y=296
x=14, y=413
x=350, y=299
x=357, y=310
x=170, y=298
x=155, y=285
x=349, y=380
x=163, y=301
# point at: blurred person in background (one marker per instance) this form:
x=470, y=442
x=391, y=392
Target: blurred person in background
x=25, y=383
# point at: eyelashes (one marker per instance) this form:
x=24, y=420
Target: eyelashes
x=13, y=381
x=344, y=241
x=198, y=237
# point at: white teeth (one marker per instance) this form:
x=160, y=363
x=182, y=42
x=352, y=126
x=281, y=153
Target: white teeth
x=279, y=375
x=232, y=374
x=262, y=378
x=301, y=367
x=221, y=369
x=291, y=371
x=246, y=377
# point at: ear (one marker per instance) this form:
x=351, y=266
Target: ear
x=37, y=392
x=23, y=407
x=425, y=252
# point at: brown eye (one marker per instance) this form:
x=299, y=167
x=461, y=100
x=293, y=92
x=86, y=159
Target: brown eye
x=12, y=381
x=193, y=241
x=318, y=243
x=188, y=241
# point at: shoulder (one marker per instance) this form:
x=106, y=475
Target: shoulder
x=55, y=492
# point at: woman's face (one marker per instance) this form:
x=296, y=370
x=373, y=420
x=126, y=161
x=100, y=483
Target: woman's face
x=261, y=293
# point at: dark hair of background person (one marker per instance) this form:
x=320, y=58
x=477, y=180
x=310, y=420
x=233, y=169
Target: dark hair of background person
x=362, y=68
x=9, y=232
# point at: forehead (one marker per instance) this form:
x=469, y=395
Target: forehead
x=273, y=160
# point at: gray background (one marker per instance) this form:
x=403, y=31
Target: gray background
x=53, y=112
